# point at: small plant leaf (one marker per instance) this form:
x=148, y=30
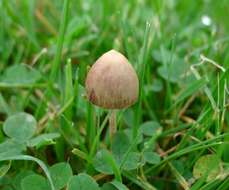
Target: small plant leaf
x=150, y=128
x=104, y=162
x=61, y=174
x=108, y=186
x=170, y=72
x=173, y=66
x=4, y=169
x=35, y=182
x=151, y=157
x=101, y=164
x=133, y=161
x=10, y=146
x=20, y=126
x=19, y=177
x=120, y=145
x=43, y=140
x=4, y=107
x=155, y=87
x=208, y=166
x=129, y=133
x=82, y=182
x=129, y=117
x=114, y=185
x=20, y=75
x=119, y=185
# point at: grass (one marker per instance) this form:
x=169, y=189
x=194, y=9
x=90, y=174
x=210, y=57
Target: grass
x=181, y=54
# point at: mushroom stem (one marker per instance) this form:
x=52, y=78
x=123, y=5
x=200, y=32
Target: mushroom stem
x=112, y=123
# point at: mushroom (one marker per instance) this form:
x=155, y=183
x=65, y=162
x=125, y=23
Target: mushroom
x=112, y=83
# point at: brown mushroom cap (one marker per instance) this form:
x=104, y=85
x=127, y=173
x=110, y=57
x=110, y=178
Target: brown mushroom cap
x=112, y=82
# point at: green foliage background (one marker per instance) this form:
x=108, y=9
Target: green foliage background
x=175, y=137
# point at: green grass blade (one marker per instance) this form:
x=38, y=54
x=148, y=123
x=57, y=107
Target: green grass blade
x=142, y=68
x=60, y=41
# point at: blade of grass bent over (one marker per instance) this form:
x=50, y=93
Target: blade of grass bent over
x=39, y=162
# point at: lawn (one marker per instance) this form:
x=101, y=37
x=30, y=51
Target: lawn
x=155, y=120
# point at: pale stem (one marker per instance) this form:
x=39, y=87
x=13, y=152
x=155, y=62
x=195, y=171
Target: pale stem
x=112, y=123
